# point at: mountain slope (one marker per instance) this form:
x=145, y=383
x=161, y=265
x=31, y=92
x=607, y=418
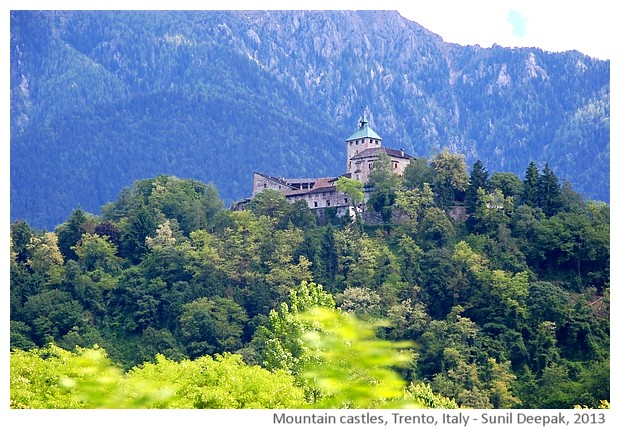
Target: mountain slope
x=100, y=99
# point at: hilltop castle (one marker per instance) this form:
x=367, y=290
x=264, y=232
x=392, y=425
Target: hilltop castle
x=363, y=147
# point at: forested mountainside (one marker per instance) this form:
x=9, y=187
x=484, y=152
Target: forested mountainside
x=100, y=99
x=197, y=306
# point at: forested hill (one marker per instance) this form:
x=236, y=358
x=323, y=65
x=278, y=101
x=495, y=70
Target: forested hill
x=508, y=309
x=100, y=99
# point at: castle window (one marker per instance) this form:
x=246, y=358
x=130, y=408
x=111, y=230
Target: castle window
x=264, y=186
x=346, y=200
x=315, y=204
x=328, y=203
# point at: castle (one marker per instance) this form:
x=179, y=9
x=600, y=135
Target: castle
x=363, y=147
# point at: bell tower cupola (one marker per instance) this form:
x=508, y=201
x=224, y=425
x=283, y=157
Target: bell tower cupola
x=363, y=138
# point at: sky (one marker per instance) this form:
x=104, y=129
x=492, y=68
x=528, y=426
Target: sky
x=551, y=25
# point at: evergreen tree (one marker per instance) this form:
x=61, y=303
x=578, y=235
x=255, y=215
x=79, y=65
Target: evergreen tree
x=133, y=242
x=529, y=195
x=477, y=179
x=70, y=233
x=329, y=255
x=549, y=192
x=21, y=234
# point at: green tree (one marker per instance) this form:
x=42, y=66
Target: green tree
x=97, y=253
x=570, y=200
x=354, y=189
x=478, y=179
x=270, y=203
x=55, y=378
x=70, y=233
x=164, y=238
x=279, y=343
x=450, y=178
x=417, y=173
x=363, y=302
x=328, y=255
x=549, y=192
x=218, y=382
x=46, y=260
x=545, y=349
x=493, y=209
x=88, y=379
x=353, y=369
x=384, y=183
x=423, y=393
x=21, y=235
x=436, y=229
x=531, y=188
x=414, y=203
x=508, y=183
x=51, y=315
x=133, y=239
x=210, y=326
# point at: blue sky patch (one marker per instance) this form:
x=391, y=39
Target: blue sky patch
x=518, y=22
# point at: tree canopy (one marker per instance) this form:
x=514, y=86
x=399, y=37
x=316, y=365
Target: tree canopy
x=505, y=305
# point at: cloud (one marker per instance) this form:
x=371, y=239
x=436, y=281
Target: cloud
x=554, y=26
x=518, y=23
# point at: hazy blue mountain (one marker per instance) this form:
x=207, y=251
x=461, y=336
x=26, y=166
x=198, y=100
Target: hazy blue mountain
x=100, y=99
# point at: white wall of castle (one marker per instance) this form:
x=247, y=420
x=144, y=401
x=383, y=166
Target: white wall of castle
x=363, y=167
x=354, y=147
x=322, y=199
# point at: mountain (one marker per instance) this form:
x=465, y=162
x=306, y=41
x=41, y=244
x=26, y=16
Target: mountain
x=100, y=99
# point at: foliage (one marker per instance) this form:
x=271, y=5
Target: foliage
x=417, y=173
x=450, y=177
x=222, y=381
x=354, y=190
x=354, y=369
x=423, y=393
x=211, y=326
x=510, y=310
x=55, y=378
x=281, y=344
x=384, y=183
x=478, y=179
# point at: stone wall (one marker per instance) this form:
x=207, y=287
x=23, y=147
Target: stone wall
x=261, y=183
x=322, y=199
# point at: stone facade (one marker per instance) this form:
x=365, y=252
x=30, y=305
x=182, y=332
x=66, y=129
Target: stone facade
x=363, y=149
x=364, y=161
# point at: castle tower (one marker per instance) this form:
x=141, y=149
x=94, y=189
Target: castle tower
x=363, y=138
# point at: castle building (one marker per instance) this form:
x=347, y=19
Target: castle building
x=363, y=149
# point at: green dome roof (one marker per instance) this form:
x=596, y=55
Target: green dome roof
x=364, y=131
